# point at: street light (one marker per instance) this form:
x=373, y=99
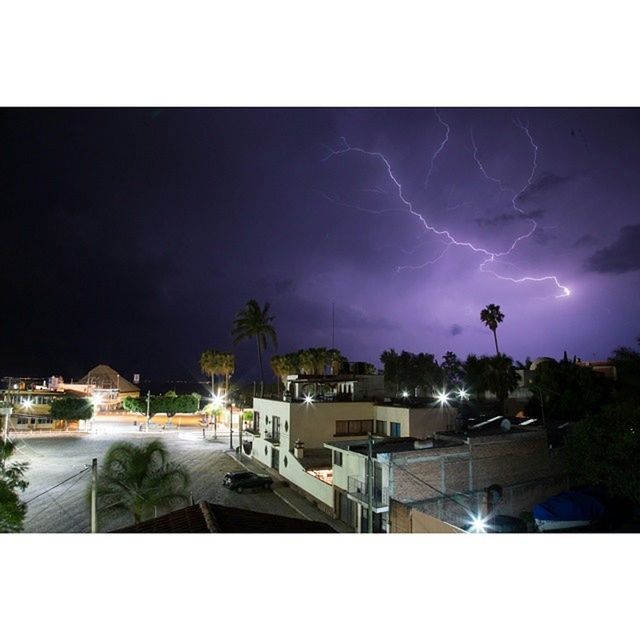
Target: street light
x=308, y=399
x=462, y=394
x=478, y=524
x=405, y=394
x=442, y=397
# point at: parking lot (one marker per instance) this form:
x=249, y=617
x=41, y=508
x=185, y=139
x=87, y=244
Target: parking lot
x=65, y=509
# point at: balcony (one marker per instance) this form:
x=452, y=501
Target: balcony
x=357, y=489
x=272, y=436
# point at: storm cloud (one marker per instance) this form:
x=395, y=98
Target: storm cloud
x=621, y=256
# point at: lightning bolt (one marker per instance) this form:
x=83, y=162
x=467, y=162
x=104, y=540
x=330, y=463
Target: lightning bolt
x=489, y=257
x=438, y=151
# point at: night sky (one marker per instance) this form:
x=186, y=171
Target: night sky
x=133, y=236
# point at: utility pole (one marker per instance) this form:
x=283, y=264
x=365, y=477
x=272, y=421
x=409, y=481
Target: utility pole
x=6, y=412
x=241, y=425
x=370, y=487
x=231, y=426
x=148, y=406
x=94, y=495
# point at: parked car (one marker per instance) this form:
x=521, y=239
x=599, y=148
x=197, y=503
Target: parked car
x=240, y=480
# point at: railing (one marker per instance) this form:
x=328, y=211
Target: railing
x=359, y=489
x=272, y=437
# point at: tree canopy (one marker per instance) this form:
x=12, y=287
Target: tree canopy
x=12, y=482
x=169, y=403
x=72, y=409
x=138, y=479
x=605, y=449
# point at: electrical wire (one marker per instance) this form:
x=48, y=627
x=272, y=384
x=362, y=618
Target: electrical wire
x=59, y=483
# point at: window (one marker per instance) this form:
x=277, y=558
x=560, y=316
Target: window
x=337, y=458
x=395, y=429
x=256, y=420
x=353, y=427
x=381, y=427
x=275, y=427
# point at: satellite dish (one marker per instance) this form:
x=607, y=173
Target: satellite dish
x=505, y=425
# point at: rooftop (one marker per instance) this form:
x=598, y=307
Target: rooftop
x=206, y=517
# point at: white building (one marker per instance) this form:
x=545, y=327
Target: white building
x=297, y=436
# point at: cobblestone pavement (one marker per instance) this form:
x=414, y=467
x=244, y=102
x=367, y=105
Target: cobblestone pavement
x=66, y=508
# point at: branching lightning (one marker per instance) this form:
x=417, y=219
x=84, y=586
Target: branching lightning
x=438, y=151
x=489, y=257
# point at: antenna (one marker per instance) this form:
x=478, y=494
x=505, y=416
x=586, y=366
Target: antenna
x=333, y=325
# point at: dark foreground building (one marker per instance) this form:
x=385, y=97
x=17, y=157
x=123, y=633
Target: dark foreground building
x=206, y=517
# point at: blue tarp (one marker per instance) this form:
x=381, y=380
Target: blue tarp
x=569, y=506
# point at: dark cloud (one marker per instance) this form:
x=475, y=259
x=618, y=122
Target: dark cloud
x=546, y=182
x=455, y=329
x=621, y=256
x=283, y=286
x=536, y=214
x=587, y=240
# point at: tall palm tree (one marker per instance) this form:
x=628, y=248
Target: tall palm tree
x=138, y=479
x=210, y=366
x=227, y=365
x=491, y=316
x=255, y=322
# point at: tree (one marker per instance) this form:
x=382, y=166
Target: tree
x=67, y=409
x=255, y=322
x=605, y=449
x=227, y=367
x=12, y=509
x=411, y=371
x=210, y=365
x=568, y=391
x=491, y=316
x=170, y=403
x=501, y=377
x=627, y=363
x=451, y=368
x=138, y=479
x=474, y=374
x=336, y=360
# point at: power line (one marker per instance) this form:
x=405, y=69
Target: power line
x=57, y=485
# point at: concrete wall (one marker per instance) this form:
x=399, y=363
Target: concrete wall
x=406, y=519
x=293, y=471
x=416, y=422
x=521, y=463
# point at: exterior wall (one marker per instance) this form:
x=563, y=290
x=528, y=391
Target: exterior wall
x=522, y=464
x=416, y=422
x=353, y=464
x=293, y=471
x=315, y=423
x=406, y=519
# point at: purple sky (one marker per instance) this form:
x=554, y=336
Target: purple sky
x=134, y=236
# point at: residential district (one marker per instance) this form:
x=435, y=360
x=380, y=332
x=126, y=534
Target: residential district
x=481, y=446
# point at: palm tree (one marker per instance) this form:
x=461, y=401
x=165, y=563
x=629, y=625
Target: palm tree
x=227, y=365
x=210, y=366
x=491, y=316
x=254, y=322
x=139, y=479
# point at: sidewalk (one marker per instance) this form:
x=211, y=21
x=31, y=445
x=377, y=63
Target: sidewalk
x=292, y=497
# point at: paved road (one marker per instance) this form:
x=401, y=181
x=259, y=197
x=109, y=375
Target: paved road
x=66, y=509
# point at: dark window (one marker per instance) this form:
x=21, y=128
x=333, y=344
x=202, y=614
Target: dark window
x=395, y=429
x=353, y=427
x=337, y=458
x=256, y=420
x=275, y=427
x=381, y=427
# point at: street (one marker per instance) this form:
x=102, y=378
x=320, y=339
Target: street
x=65, y=509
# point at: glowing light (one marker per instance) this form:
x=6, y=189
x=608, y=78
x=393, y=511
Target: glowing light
x=478, y=525
x=217, y=400
x=463, y=394
x=27, y=404
x=96, y=398
x=308, y=399
x=443, y=398
x=490, y=258
x=405, y=394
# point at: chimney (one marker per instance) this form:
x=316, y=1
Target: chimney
x=298, y=449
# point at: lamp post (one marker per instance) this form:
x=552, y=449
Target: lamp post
x=5, y=411
x=231, y=405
